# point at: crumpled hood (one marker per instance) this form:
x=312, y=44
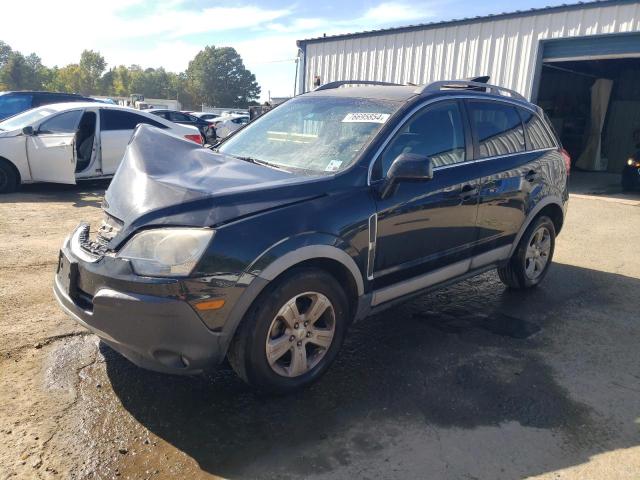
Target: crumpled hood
x=164, y=179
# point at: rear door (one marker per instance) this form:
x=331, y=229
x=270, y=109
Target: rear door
x=509, y=174
x=116, y=128
x=51, y=149
x=431, y=224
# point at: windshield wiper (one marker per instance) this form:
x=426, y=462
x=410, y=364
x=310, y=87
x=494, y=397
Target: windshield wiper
x=259, y=162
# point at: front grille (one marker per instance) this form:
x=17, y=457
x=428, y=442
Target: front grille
x=109, y=228
x=97, y=244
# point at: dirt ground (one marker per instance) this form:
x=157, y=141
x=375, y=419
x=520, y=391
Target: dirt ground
x=471, y=382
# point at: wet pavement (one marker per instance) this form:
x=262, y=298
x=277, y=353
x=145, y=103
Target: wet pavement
x=473, y=381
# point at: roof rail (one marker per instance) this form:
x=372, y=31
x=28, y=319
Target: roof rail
x=339, y=83
x=468, y=85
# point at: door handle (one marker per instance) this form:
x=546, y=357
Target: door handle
x=531, y=176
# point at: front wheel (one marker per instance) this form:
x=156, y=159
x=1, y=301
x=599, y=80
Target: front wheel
x=293, y=332
x=530, y=262
x=8, y=178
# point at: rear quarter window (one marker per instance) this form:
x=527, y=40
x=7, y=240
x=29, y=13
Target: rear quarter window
x=538, y=135
x=123, y=120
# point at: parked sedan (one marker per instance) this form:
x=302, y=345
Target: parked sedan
x=208, y=116
x=228, y=124
x=65, y=142
x=187, y=119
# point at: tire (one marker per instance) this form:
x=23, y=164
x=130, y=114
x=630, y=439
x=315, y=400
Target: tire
x=525, y=270
x=8, y=178
x=272, y=321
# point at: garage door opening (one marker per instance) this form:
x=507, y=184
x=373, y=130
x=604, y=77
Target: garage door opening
x=565, y=93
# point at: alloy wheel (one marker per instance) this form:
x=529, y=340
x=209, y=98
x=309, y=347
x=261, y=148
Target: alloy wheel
x=538, y=251
x=300, y=334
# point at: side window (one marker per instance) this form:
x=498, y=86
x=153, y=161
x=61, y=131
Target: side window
x=66, y=122
x=434, y=132
x=178, y=117
x=122, y=120
x=538, y=135
x=498, y=127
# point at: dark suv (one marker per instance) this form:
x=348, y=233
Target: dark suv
x=12, y=103
x=331, y=207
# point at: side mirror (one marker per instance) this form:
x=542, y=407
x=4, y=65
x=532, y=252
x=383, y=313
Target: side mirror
x=28, y=130
x=407, y=167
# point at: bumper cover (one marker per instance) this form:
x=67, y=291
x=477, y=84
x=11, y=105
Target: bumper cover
x=159, y=333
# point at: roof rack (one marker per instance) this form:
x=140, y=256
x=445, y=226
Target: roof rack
x=339, y=83
x=468, y=85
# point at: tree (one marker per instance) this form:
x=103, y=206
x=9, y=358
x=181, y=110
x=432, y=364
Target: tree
x=218, y=77
x=92, y=66
x=5, y=51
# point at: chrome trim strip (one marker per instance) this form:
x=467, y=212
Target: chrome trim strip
x=495, y=157
x=373, y=235
x=418, y=283
x=438, y=276
x=444, y=99
x=492, y=256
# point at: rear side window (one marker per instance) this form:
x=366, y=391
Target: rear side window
x=179, y=117
x=537, y=134
x=12, y=104
x=122, y=120
x=66, y=122
x=498, y=128
x=435, y=132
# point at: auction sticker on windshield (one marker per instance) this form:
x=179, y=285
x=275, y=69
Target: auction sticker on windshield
x=366, y=118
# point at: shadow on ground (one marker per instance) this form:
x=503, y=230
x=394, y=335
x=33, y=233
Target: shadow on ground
x=468, y=356
x=85, y=194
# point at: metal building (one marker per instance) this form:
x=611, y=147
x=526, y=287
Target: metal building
x=545, y=54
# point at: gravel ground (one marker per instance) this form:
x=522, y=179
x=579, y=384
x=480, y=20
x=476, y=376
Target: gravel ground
x=470, y=382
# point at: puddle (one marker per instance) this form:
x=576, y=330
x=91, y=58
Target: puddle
x=457, y=322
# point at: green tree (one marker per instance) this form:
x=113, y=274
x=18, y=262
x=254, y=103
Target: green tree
x=5, y=51
x=92, y=66
x=218, y=77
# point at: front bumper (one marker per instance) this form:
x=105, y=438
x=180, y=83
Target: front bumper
x=146, y=320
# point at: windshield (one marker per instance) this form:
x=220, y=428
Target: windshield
x=317, y=134
x=26, y=118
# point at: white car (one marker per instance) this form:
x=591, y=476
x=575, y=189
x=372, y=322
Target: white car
x=208, y=116
x=65, y=142
x=228, y=124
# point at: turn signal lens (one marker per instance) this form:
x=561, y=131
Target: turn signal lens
x=567, y=160
x=210, y=305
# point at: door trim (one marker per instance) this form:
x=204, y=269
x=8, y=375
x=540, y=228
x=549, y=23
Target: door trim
x=440, y=275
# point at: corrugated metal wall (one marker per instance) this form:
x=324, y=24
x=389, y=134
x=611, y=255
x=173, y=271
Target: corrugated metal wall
x=506, y=49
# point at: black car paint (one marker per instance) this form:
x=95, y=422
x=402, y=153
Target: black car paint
x=631, y=174
x=251, y=207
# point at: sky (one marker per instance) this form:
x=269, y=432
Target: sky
x=169, y=33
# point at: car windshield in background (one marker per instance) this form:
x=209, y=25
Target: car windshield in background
x=316, y=134
x=27, y=118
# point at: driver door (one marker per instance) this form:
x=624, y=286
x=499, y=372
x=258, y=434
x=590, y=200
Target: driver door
x=428, y=225
x=51, y=149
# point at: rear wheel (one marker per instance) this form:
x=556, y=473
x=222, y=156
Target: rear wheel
x=8, y=178
x=293, y=332
x=530, y=262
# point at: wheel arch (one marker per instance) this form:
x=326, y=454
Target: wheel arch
x=551, y=207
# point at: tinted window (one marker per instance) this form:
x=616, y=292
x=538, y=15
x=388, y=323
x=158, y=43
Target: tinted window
x=122, y=120
x=435, y=132
x=498, y=127
x=178, y=117
x=66, y=122
x=538, y=136
x=12, y=104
